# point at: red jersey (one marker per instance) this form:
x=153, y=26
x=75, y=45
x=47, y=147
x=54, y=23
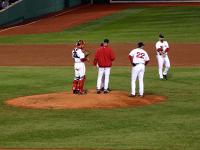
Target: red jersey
x=104, y=57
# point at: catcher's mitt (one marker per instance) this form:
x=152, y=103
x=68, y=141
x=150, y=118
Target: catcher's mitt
x=87, y=53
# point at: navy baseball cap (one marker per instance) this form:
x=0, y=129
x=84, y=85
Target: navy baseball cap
x=140, y=44
x=161, y=35
x=106, y=41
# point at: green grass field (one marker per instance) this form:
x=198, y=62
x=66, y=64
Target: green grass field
x=179, y=24
x=172, y=125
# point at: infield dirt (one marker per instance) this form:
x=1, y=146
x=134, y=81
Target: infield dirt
x=60, y=55
x=66, y=100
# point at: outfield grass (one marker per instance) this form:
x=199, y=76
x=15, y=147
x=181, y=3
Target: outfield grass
x=174, y=124
x=179, y=24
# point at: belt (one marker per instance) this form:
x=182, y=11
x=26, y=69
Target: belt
x=78, y=62
x=138, y=63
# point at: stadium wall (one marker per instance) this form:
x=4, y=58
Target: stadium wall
x=28, y=9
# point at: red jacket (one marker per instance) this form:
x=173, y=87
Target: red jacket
x=104, y=57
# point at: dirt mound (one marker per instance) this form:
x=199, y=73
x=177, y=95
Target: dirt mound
x=66, y=100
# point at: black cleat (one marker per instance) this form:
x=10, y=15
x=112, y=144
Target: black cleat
x=131, y=95
x=75, y=91
x=109, y=89
x=102, y=89
x=82, y=92
x=165, y=77
x=106, y=92
x=98, y=91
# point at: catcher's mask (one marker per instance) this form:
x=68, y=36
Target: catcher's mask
x=80, y=43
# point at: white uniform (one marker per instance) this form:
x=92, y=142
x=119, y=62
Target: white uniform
x=162, y=58
x=139, y=58
x=79, y=66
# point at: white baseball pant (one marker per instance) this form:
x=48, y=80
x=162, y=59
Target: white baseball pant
x=163, y=60
x=79, y=70
x=101, y=72
x=137, y=72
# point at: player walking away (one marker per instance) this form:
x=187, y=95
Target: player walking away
x=104, y=57
x=139, y=59
x=79, y=67
x=162, y=48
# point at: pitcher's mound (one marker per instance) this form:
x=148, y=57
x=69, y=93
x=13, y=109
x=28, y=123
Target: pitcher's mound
x=66, y=100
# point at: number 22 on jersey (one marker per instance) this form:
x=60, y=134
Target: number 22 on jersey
x=140, y=55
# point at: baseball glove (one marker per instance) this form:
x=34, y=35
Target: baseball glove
x=87, y=53
x=162, y=53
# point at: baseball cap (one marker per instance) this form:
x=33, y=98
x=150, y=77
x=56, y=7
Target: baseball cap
x=106, y=41
x=161, y=35
x=140, y=44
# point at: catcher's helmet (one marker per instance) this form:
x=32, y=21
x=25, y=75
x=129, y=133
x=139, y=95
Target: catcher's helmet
x=80, y=42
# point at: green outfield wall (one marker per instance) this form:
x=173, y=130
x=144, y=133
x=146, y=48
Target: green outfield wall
x=28, y=9
x=12, y=15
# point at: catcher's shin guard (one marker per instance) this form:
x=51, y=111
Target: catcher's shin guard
x=81, y=85
x=75, y=86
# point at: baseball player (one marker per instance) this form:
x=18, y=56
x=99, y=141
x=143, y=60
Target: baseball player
x=103, y=77
x=139, y=59
x=162, y=49
x=104, y=57
x=79, y=66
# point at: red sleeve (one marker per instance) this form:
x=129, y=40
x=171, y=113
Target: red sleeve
x=146, y=62
x=167, y=50
x=130, y=59
x=159, y=49
x=83, y=59
x=95, y=58
x=95, y=62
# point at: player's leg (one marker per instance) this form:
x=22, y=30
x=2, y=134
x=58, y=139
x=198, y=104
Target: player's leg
x=160, y=66
x=82, y=71
x=99, y=79
x=134, y=74
x=107, y=78
x=141, y=80
x=102, y=82
x=167, y=66
x=75, y=87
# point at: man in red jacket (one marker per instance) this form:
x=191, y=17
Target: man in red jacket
x=103, y=58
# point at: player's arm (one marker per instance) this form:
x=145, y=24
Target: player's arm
x=82, y=56
x=131, y=60
x=147, y=59
x=112, y=55
x=159, y=48
x=95, y=61
x=167, y=49
x=146, y=62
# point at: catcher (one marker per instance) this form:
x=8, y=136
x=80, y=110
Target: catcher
x=80, y=56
